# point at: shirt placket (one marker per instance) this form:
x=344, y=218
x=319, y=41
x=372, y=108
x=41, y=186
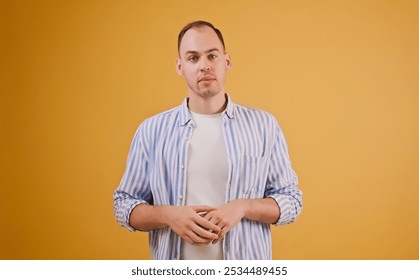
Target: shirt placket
x=183, y=161
x=226, y=129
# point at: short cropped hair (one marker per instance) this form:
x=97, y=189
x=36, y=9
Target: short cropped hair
x=197, y=24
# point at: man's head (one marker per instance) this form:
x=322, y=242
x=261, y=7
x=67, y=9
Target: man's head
x=203, y=60
x=198, y=24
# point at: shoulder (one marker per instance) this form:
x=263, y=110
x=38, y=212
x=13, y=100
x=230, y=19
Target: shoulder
x=247, y=113
x=170, y=113
x=162, y=118
x=155, y=124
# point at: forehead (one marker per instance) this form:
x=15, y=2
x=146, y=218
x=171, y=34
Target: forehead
x=200, y=39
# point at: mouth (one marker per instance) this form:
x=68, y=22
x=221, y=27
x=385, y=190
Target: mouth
x=207, y=79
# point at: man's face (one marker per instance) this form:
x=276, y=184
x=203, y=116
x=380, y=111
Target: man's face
x=203, y=62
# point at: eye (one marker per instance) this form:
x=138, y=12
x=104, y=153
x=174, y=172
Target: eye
x=212, y=56
x=193, y=58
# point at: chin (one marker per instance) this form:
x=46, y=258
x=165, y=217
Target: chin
x=208, y=93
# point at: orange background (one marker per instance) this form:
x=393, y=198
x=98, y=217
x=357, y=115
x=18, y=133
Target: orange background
x=78, y=77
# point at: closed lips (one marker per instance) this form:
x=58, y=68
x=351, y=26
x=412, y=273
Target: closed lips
x=207, y=78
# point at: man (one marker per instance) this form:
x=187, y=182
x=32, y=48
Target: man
x=208, y=177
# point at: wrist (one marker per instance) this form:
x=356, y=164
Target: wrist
x=244, y=206
x=164, y=214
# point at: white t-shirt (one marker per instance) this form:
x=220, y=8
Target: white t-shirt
x=207, y=175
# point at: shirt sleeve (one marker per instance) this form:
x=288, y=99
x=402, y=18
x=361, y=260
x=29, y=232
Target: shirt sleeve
x=282, y=182
x=134, y=188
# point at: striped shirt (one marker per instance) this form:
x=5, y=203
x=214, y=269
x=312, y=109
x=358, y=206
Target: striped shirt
x=259, y=167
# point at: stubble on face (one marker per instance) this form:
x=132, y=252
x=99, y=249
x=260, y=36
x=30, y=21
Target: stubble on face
x=205, y=76
x=207, y=85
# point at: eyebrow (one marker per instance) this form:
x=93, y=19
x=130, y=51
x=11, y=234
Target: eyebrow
x=207, y=51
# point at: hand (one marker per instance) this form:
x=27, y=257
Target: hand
x=187, y=223
x=226, y=217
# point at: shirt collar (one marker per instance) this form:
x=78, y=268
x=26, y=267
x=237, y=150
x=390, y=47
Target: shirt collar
x=185, y=116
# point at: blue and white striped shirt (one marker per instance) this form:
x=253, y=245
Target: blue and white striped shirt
x=259, y=166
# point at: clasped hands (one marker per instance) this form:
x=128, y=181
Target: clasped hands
x=202, y=225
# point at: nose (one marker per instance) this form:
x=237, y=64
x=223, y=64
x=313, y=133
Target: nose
x=205, y=65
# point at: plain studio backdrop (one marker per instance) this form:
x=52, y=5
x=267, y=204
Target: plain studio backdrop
x=78, y=77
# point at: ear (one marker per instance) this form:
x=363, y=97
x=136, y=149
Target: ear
x=229, y=63
x=179, y=67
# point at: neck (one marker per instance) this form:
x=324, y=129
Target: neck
x=208, y=105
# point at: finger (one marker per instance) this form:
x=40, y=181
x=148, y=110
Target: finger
x=215, y=220
x=214, y=217
x=214, y=241
x=217, y=240
x=196, y=239
x=187, y=239
x=221, y=235
x=203, y=233
x=202, y=214
x=202, y=208
x=202, y=222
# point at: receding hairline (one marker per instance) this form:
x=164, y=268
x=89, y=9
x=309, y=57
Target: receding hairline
x=210, y=49
x=198, y=25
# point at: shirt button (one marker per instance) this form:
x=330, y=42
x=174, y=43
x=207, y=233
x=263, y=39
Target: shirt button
x=182, y=167
x=180, y=197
